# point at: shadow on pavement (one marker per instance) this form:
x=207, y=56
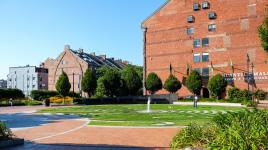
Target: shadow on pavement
x=22, y=120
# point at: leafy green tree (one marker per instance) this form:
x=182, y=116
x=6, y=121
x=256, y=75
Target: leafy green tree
x=63, y=85
x=194, y=82
x=263, y=33
x=100, y=72
x=112, y=82
x=217, y=85
x=172, y=84
x=153, y=83
x=100, y=90
x=89, y=82
x=131, y=80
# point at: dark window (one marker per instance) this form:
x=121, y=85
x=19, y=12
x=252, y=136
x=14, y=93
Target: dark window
x=33, y=86
x=196, y=43
x=205, y=57
x=15, y=72
x=27, y=71
x=212, y=15
x=190, y=31
x=205, y=72
x=212, y=27
x=33, y=78
x=196, y=7
x=40, y=79
x=205, y=5
x=190, y=19
x=196, y=58
x=205, y=42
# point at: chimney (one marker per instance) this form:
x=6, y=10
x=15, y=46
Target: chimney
x=125, y=62
x=112, y=58
x=103, y=57
x=81, y=50
x=93, y=53
x=119, y=60
x=67, y=47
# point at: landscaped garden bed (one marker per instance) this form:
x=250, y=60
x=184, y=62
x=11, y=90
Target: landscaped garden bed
x=135, y=115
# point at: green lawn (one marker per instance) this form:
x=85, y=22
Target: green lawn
x=130, y=115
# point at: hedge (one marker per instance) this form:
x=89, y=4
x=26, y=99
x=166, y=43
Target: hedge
x=11, y=93
x=40, y=95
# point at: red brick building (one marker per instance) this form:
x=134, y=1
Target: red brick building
x=211, y=36
x=75, y=63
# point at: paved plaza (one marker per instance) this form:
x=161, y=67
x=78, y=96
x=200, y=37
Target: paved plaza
x=46, y=132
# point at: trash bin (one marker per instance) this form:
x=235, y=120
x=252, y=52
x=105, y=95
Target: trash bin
x=47, y=102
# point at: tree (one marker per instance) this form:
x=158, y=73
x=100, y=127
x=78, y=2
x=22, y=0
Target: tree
x=100, y=72
x=63, y=85
x=153, y=83
x=217, y=85
x=112, y=82
x=172, y=84
x=100, y=90
x=89, y=82
x=131, y=80
x=263, y=33
x=194, y=82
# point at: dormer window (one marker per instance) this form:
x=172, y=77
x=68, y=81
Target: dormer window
x=196, y=7
x=205, y=5
x=212, y=27
x=212, y=15
x=190, y=19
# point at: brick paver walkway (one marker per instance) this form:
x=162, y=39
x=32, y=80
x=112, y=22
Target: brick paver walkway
x=74, y=134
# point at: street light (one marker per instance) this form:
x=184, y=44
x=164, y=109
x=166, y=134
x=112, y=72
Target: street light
x=252, y=80
x=248, y=61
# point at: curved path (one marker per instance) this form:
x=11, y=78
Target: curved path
x=48, y=132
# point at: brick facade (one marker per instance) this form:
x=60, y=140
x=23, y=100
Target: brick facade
x=166, y=41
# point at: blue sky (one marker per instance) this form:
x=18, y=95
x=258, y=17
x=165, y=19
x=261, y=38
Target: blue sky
x=33, y=30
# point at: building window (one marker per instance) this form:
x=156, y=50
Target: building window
x=28, y=86
x=33, y=86
x=205, y=72
x=205, y=57
x=196, y=43
x=15, y=72
x=205, y=5
x=212, y=15
x=198, y=70
x=190, y=31
x=205, y=42
x=33, y=78
x=212, y=27
x=40, y=79
x=196, y=7
x=27, y=71
x=197, y=58
x=190, y=19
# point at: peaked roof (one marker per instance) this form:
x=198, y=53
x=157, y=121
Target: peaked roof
x=98, y=61
x=155, y=12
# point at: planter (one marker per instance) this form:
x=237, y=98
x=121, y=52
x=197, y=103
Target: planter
x=11, y=143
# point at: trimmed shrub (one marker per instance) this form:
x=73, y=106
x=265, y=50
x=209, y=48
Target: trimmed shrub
x=89, y=82
x=236, y=95
x=217, y=86
x=40, y=95
x=131, y=80
x=63, y=85
x=11, y=93
x=153, y=83
x=194, y=82
x=172, y=84
x=260, y=94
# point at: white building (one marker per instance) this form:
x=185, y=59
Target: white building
x=27, y=78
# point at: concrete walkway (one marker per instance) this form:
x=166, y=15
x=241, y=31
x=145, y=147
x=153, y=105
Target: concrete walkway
x=48, y=132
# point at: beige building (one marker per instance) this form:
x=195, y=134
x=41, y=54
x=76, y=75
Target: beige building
x=75, y=63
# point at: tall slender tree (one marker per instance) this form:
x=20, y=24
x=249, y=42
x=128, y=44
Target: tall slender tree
x=89, y=82
x=63, y=85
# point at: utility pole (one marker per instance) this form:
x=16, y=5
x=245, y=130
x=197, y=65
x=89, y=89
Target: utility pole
x=73, y=85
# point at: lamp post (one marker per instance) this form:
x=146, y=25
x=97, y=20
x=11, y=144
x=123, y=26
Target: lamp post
x=248, y=61
x=73, y=85
x=252, y=80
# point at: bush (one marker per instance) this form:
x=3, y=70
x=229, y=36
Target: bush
x=61, y=100
x=235, y=130
x=236, y=95
x=5, y=133
x=260, y=94
x=40, y=95
x=112, y=82
x=89, y=82
x=172, y=84
x=194, y=136
x=11, y=93
x=153, y=83
x=63, y=85
x=132, y=81
x=194, y=82
x=217, y=85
